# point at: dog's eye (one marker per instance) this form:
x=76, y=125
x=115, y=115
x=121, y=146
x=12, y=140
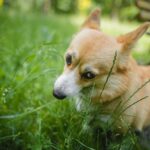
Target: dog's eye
x=68, y=59
x=88, y=75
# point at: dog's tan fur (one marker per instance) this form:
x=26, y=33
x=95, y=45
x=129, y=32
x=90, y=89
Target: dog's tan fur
x=93, y=49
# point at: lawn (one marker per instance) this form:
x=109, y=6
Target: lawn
x=31, y=57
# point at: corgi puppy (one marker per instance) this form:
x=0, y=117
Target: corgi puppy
x=103, y=66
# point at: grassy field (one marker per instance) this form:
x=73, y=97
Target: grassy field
x=31, y=57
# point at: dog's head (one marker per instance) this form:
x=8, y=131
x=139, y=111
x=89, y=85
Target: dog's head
x=90, y=57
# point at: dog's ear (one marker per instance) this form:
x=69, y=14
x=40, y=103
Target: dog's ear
x=128, y=40
x=93, y=20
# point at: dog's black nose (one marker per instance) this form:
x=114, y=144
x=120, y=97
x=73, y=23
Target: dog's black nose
x=58, y=94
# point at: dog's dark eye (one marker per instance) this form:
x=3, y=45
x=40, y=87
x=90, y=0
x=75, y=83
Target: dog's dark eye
x=88, y=75
x=68, y=59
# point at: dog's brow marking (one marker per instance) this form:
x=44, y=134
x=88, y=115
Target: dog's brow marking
x=68, y=59
x=88, y=68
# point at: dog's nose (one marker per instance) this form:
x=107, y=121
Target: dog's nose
x=58, y=94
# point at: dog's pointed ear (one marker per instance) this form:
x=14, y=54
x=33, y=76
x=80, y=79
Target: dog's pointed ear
x=93, y=20
x=128, y=40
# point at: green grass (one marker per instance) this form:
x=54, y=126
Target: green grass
x=31, y=56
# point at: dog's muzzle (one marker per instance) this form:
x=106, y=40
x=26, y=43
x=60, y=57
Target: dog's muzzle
x=66, y=85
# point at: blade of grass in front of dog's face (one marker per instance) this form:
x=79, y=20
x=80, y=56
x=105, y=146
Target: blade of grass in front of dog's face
x=109, y=74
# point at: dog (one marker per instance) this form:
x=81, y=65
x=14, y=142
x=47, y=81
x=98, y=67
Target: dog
x=101, y=66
